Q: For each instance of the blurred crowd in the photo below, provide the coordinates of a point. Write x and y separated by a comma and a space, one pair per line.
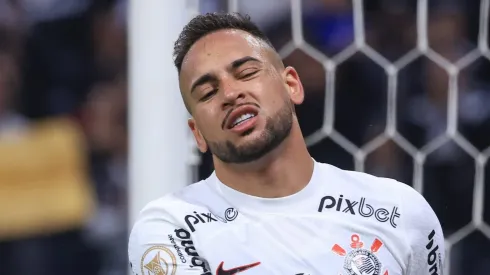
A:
63, 119
63, 138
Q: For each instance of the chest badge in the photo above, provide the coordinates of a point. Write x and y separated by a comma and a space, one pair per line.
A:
359, 260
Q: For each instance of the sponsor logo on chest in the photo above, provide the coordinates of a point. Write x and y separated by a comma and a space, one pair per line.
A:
191, 220
360, 207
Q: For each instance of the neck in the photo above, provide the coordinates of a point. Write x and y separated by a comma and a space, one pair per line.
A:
283, 172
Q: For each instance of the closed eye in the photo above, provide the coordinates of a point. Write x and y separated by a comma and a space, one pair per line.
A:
248, 73
208, 95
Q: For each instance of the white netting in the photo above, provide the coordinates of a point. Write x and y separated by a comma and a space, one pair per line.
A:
392, 70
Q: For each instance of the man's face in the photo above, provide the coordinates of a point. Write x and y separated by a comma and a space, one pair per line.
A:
241, 98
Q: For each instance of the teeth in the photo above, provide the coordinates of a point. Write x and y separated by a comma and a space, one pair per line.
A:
242, 118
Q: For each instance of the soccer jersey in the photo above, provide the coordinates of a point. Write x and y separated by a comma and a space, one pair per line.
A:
342, 222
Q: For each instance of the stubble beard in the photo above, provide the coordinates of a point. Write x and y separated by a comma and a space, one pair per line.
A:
277, 129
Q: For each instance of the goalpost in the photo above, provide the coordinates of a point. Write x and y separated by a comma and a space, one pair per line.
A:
158, 154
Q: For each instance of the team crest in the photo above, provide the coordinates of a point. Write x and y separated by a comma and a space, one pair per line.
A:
361, 261
158, 260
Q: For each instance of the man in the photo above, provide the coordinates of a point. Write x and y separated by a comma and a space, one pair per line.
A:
269, 208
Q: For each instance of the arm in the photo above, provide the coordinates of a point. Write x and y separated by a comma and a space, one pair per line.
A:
425, 237
159, 246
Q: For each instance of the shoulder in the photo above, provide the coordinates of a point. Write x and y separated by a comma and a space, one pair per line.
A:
380, 189
369, 184
167, 213
170, 207
160, 235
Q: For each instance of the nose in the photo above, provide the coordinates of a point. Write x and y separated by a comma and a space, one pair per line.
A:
232, 94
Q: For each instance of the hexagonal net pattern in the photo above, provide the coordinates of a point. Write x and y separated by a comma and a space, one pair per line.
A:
392, 69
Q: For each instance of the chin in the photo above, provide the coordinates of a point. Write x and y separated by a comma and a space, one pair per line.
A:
250, 136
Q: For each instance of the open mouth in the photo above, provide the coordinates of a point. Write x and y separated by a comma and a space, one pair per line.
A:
242, 119
240, 115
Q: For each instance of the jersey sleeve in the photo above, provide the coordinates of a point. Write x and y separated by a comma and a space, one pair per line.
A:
424, 235
157, 245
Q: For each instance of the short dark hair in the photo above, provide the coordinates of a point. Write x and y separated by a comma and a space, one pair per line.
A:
203, 25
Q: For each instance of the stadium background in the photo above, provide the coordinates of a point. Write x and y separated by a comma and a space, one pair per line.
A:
397, 88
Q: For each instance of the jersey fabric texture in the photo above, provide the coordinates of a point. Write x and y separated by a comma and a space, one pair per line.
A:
342, 222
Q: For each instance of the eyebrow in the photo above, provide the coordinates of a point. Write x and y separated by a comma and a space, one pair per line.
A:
239, 62
202, 80
205, 78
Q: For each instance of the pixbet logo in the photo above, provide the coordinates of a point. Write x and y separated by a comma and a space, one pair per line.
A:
230, 214
192, 220
433, 258
359, 208
190, 250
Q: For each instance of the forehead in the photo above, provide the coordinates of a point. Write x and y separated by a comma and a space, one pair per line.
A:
217, 50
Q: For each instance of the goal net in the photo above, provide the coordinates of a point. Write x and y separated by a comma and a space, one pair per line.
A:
397, 89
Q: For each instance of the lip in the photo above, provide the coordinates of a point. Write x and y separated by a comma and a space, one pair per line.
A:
245, 126
237, 112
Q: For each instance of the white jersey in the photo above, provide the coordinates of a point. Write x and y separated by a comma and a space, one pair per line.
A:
342, 222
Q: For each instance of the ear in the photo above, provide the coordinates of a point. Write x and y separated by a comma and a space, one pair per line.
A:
200, 141
296, 91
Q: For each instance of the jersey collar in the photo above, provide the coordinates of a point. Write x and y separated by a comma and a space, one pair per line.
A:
243, 201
